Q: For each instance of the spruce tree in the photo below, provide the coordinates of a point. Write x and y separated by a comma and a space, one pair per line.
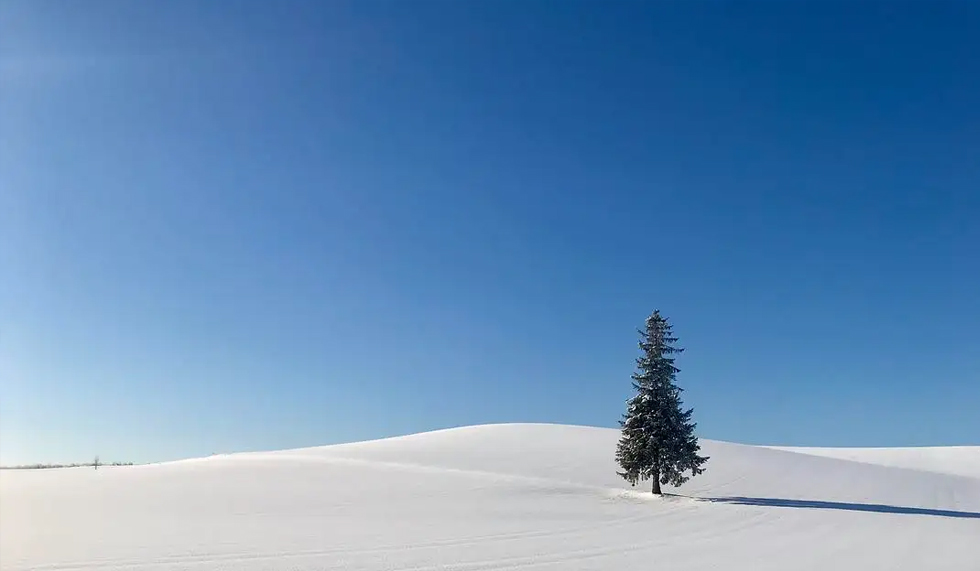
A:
658, 440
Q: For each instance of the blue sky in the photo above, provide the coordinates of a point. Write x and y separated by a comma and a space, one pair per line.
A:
297, 223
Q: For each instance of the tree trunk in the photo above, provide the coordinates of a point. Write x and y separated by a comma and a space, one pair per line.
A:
656, 484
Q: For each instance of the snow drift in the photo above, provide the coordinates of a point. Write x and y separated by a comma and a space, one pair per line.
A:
499, 497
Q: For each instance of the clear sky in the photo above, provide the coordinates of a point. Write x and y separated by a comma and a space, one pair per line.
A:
258, 225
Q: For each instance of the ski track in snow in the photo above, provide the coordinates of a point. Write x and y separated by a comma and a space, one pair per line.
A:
499, 497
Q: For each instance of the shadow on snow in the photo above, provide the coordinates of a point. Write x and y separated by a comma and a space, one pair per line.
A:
823, 505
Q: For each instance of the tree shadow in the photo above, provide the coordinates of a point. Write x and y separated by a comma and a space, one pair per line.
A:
824, 505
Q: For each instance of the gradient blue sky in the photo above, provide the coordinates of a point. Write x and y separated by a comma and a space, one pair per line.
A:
256, 225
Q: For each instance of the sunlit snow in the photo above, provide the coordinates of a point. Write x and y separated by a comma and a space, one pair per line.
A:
521, 496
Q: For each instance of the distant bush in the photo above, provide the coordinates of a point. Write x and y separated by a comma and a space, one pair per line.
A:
51, 466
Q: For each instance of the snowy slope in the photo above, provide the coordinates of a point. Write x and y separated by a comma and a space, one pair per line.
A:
956, 460
543, 497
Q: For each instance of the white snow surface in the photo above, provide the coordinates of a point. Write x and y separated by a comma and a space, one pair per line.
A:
956, 460
514, 496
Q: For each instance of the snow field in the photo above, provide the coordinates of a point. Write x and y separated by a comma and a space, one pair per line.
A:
521, 496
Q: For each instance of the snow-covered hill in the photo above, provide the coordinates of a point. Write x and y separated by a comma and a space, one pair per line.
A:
520, 496
956, 460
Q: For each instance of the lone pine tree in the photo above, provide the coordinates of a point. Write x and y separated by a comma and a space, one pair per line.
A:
658, 440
